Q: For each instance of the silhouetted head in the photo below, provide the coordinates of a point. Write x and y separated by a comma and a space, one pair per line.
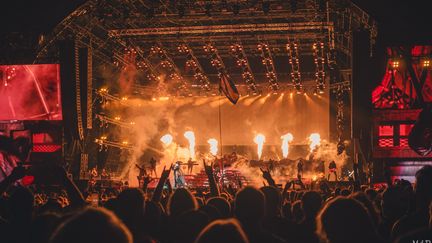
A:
249, 205
297, 211
211, 211
188, 225
228, 230
345, 192
311, 204
371, 194
222, 205
370, 207
92, 225
345, 220
286, 211
130, 202
394, 203
43, 227
423, 185
181, 201
273, 201
21, 205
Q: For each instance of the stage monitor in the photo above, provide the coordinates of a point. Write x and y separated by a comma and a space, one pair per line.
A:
30, 92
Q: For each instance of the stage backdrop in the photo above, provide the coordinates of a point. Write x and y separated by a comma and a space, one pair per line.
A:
273, 116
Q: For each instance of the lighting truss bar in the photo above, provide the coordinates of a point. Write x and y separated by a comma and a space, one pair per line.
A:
212, 29
169, 64
295, 65
216, 60
105, 144
193, 64
107, 120
237, 51
267, 61
319, 60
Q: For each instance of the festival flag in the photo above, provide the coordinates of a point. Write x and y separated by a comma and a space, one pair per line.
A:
228, 88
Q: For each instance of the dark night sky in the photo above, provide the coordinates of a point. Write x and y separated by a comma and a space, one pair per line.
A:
399, 20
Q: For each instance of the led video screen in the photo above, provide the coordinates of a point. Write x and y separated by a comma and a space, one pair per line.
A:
30, 92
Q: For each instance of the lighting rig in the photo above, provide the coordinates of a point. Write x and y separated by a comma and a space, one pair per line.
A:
167, 63
319, 59
293, 58
267, 61
216, 60
105, 120
193, 64
238, 53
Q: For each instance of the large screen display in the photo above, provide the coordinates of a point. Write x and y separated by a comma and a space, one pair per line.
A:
30, 92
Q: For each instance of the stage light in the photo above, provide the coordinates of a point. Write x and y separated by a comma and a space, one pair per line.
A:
153, 99
315, 92
395, 64
132, 123
164, 98
124, 98
103, 90
125, 142
103, 137
117, 118
426, 63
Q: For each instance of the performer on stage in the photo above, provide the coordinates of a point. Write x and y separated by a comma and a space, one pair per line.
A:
179, 180
300, 169
153, 166
104, 174
190, 165
332, 170
141, 175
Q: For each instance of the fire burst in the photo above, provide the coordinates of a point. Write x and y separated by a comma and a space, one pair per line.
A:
190, 136
213, 146
259, 140
166, 139
315, 140
286, 139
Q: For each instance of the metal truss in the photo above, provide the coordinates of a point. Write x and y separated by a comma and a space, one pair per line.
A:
294, 61
267, 61
319, 59
242, 62
193, 65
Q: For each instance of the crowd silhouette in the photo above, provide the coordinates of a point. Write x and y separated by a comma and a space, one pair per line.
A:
394, 213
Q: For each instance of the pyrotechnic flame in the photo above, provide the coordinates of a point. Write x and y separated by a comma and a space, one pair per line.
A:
190, 136
166, 139
314, 177
315, 140
259, 140
213, 146
286, 139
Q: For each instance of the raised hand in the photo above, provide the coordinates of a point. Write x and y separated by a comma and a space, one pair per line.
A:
266, 175
207, 168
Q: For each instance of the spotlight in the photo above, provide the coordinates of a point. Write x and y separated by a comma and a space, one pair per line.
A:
395, 64
426, 63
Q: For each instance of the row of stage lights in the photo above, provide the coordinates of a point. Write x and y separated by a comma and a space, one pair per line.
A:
238, 53
167, 140
396, 63
105, 94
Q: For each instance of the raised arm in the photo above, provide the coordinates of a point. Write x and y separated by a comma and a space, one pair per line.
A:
159, 188
214, 190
